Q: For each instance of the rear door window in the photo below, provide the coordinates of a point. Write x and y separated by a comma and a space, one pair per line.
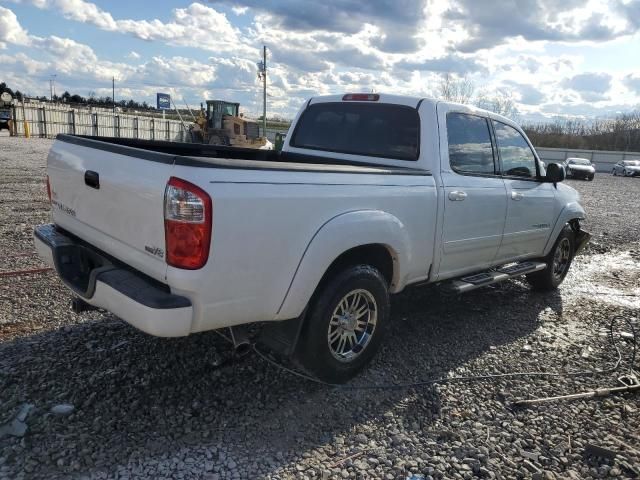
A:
470, 149
375, 130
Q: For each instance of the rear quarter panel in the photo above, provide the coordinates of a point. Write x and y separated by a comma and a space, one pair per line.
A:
264, 222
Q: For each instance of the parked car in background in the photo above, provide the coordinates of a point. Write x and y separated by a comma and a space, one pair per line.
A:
580, 168
627, 168
5, 117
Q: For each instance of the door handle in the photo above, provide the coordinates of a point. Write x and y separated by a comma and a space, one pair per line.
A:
92, 179
457, 196
517, 196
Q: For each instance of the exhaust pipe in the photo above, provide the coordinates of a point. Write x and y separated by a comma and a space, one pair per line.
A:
240, 339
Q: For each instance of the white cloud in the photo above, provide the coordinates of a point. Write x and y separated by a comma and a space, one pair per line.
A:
80, 70
197, 25
174, 71
81, 11
10, 29
239, 10
71, 58
397, 50
632, 82
592, 86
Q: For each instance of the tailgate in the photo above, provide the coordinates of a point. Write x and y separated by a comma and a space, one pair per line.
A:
113, 199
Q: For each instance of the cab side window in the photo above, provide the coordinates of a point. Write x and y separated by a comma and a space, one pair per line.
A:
517, 157
470, 149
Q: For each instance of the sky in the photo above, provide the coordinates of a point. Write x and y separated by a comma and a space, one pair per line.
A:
553, 58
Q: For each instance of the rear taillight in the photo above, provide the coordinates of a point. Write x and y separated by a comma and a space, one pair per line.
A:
361, 97
48, 189
187, 224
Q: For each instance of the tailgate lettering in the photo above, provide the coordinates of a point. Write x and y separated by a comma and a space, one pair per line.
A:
63, 208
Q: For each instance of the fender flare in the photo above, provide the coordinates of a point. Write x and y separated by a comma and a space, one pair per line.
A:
571, 211
336, 236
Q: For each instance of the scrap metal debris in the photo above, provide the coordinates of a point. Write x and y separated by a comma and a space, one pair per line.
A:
601, 392
591, 450
17, 427
63, 409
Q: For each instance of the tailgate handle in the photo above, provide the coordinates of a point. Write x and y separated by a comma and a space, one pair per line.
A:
92, 179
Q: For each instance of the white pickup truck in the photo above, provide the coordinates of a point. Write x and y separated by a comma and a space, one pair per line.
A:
371, 193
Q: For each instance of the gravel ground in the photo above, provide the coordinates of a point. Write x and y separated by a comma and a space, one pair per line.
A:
111, 402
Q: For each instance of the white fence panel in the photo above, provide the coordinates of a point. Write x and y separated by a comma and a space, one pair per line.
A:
49, 120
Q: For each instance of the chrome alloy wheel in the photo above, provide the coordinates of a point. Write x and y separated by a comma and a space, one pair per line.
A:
561, 258
352, 325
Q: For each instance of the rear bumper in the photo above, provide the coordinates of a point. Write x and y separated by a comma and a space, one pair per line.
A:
103, 282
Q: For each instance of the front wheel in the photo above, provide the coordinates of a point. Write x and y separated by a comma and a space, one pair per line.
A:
614, 172
624, 173
345, 324
558, 262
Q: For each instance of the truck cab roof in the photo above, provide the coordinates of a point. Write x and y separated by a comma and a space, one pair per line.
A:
409, 101
376, 128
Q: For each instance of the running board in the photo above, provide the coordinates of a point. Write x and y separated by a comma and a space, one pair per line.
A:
483, 279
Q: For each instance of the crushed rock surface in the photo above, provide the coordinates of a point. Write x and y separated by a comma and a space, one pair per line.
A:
133, 406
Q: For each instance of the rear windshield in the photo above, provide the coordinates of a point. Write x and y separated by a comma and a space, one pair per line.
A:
376, 130
632, 163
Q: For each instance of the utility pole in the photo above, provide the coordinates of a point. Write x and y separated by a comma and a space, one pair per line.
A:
52, 87
113, 91
264, 90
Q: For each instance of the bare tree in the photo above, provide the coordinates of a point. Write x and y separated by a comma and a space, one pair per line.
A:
458, 90
462, 90
621, 133
500, 102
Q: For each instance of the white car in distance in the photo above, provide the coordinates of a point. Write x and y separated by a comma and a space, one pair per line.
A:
626, 168
580, 168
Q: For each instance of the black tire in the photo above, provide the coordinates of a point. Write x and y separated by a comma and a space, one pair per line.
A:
551, 277
591, 178
614, 172
314, 352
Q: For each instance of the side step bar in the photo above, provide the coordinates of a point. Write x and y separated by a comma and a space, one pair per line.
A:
478, 280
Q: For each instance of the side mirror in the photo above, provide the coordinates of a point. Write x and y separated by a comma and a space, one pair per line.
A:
555, 173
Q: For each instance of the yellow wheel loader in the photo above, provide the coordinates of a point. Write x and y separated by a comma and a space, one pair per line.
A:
223, 124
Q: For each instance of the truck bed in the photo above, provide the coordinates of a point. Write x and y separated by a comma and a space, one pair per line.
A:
218, 156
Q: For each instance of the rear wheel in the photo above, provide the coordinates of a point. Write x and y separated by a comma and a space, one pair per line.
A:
558, 262
345, 324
